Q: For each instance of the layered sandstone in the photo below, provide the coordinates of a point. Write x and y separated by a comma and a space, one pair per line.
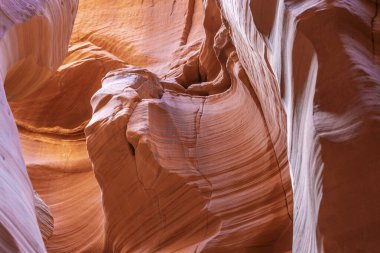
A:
324, 56
166, 126
193, 131
33, 43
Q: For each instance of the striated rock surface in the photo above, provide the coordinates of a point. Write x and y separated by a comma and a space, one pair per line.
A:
55, 150
190, 161
33, 41
324, 56
44, 217
167, 126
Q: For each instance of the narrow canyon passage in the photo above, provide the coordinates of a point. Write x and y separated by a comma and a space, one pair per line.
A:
189, 126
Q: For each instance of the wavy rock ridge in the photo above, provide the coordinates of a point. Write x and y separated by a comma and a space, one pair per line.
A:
196, 108
33, 40
166, 143
329, 79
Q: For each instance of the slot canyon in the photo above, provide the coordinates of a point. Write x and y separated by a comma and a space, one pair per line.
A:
205, 126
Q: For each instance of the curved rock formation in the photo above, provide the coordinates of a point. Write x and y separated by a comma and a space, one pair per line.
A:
55, 150
157, 142
33, 41
324, 56
166, 126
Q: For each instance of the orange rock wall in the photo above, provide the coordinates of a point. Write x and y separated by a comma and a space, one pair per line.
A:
158, 140
324, 56
167, 126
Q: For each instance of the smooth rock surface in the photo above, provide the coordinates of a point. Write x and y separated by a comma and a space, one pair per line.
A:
188, 126
198, 133
33, 41
324, 56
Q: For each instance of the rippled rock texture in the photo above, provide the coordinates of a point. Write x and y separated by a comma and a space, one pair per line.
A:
189, 126
324, 56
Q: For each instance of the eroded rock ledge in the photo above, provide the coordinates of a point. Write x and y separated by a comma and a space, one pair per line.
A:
172, 145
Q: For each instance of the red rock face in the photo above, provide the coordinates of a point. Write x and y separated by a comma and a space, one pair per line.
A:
324, 56
188, 126
200, 166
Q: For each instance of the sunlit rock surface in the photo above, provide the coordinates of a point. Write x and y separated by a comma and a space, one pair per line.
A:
33, 43
188, 126
324, 57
